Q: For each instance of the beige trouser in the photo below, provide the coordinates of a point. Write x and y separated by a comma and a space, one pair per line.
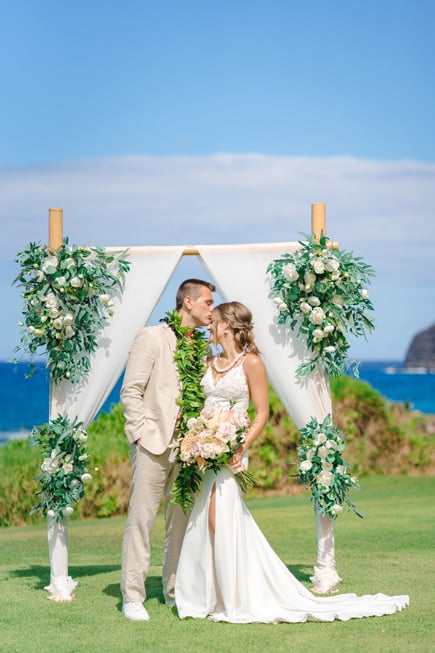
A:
152, 479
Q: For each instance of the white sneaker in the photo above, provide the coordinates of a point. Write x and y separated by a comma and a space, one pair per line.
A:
135, 611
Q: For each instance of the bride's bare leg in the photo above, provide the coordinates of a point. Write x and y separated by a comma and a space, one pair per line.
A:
212, 509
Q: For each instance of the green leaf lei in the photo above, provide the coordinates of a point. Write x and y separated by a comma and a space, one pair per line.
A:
190, 356
323, 293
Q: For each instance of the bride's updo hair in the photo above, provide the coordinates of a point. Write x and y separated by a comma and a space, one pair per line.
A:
239, 318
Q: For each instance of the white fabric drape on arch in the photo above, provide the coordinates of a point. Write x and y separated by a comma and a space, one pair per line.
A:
151, 269
239, 272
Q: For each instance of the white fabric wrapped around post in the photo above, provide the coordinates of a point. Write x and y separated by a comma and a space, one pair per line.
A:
239, 272
151, 269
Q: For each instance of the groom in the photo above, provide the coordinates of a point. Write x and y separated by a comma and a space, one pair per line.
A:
148, 394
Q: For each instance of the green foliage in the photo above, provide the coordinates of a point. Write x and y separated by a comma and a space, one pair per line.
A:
322, 468
68, 298
322, 292
64, 470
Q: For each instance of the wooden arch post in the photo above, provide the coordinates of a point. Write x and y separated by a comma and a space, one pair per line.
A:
318, 221
55, 228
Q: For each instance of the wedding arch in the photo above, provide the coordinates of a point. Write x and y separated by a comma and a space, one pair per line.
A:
239, 272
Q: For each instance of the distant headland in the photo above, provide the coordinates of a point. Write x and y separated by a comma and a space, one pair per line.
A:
421, 352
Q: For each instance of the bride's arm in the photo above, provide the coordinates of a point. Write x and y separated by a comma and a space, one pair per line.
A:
256, 376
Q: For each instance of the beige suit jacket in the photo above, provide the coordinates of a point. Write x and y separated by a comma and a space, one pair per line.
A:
150, 389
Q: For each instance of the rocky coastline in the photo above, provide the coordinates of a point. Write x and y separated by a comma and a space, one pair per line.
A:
421, 351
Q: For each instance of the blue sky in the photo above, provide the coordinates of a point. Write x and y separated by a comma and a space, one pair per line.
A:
182, 122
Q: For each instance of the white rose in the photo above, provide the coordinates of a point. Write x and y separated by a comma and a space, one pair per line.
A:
282, 307
39, 275
317, 315
67, 468
290, 273
329, 328
314, 301
341, 469
82, 436
320, 439
326, 467
51, 300
50, 262
332, 264
53, 313
68, 319
335, 275
76, 282
74, 483
57, 323
50, 513
69, 510
329, 349
323, 452
61, 281
318, 333
305, 466
86, 478
104, 299
325, 478
336, 509
318, 265
338, 300
364, 293
277, 300
46, 465
310, 280
69, 332
70, 262
305, 308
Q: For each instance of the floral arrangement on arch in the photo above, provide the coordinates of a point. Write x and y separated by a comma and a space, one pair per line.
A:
209, 443
323, 293
64, 469
68, 299
322, 468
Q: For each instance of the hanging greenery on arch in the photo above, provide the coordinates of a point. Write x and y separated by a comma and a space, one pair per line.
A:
68, 296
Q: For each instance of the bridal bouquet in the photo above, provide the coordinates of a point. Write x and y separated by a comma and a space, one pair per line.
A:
322, 468
210, 441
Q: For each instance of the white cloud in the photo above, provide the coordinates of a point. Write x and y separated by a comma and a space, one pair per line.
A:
382, 210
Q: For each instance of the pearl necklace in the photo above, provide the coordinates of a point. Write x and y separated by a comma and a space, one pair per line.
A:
221, 370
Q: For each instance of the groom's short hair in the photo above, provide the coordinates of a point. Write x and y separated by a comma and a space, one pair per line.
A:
190, 287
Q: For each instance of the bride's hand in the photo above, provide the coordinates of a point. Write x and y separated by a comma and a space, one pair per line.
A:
235, 462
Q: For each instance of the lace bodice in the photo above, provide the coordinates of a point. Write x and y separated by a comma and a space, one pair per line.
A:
230, 387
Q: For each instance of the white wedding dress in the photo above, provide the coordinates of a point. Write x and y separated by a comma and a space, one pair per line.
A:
234, 575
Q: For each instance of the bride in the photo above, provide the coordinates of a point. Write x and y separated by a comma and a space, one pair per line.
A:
227, 570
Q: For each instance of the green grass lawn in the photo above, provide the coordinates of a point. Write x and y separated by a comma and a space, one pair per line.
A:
391, 551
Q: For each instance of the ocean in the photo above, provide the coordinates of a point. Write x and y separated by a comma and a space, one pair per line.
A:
24, 401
